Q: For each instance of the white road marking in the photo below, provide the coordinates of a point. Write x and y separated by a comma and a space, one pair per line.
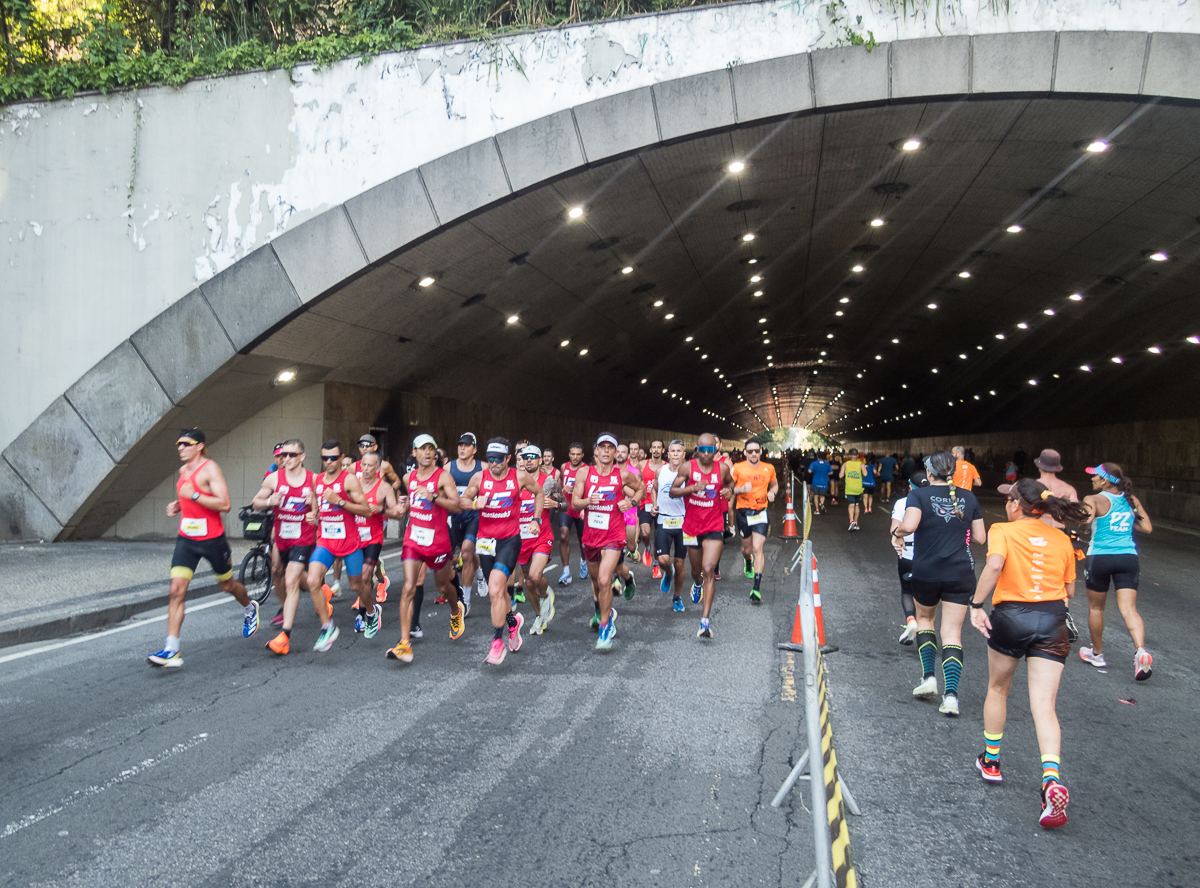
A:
136, 624
89, 791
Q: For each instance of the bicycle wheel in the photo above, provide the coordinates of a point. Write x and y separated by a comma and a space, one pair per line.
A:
256, 574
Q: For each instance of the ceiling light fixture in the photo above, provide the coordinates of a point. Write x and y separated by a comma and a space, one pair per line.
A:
878, 223
911, 144
1118, 360
1022, 326
689, 339
582, 352
512, 319
1076, 297
931, 305
669, 315
1098, 146
858, 269
756, 278
1194, 340
736, 167
964, 274
895, 342
285, 376
564, 343
839, 313
643, 382
628, 269
658, 303
766, 342
758, 292
1048, 311
747, 237
999, 335
1014, 229
1154, 350
426, 281
575, 212
1159, 256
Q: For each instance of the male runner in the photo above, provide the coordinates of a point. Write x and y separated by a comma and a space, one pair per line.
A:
726, 498
669, 513
599, 492
368, 444
820, 469
201, 497
570, 517
756, 487
495, 494
381, 500
852, 471
650, 469
464, 526
289, 491
701, 483
432, 494
339, 497
536, 548
966, 475
630, 517
887, 470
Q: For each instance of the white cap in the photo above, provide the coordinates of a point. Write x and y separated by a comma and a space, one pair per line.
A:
422, 440
495, 448
531, 450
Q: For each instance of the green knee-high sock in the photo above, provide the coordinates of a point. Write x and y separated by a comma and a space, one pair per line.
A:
927, 648
952, 666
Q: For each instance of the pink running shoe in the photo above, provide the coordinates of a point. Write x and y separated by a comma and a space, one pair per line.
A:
1054, 806
1142, 662
514, 634
497, 652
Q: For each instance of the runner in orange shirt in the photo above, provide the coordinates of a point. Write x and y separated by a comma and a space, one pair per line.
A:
965, 475
1031, 567
755, 484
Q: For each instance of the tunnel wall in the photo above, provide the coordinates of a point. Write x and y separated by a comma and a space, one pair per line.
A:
1161, 456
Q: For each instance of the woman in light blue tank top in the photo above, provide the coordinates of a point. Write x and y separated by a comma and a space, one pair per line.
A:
1113, 562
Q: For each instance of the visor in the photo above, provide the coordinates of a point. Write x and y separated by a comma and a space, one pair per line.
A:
606, 439
468, 438
497, 449
1099, 470
422, 440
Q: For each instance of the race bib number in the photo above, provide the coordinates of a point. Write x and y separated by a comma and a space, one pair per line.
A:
422, 536
759, 517
526, 535
289, 530
364, 533
689, 540
598, 520
193, 527
673, 523
486, 546
333, 530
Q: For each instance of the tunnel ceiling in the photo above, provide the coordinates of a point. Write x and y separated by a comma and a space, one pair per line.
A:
852, 353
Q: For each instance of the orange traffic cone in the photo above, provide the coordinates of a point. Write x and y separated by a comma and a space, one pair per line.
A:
790, 531
797, 634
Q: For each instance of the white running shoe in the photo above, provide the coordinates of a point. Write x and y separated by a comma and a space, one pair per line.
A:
564, 578
927, 688
538, 626
1141, 665
548, 607
481, 588
909, 633
1090, 656
949, 705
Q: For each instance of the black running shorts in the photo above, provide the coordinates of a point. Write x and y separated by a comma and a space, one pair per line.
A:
1031, 629
463, 526
188, 553
745, 528
504, 558
1122, 571
929, 593
565, 520
371, 552
664, 539
296, 554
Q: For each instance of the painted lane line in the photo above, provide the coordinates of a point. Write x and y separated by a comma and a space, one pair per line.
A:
90, 791
137, 624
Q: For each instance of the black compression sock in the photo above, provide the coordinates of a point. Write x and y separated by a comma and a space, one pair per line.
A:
287, 632
757, 580
511, 620
499, 633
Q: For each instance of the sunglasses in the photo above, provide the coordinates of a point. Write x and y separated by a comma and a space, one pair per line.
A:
186, 443
497, 459
706, 449
287, 454
754, 451
325, 458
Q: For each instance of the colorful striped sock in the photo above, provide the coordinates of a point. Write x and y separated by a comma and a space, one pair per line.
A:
927, 648
1049, 769
991, 746
952, 666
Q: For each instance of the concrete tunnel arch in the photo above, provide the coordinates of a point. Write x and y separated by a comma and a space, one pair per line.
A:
106, 440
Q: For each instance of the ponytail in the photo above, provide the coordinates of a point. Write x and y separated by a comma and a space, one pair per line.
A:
1124, 486
1036, 500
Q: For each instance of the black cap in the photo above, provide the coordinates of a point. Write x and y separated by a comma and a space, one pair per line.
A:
468, 438
192, 435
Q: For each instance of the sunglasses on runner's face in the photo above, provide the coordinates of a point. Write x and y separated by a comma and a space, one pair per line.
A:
706, 449
287, 454
496, 459
325, 458
753, 451
186, 443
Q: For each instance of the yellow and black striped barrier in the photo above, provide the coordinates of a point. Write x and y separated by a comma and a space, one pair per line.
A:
835, 806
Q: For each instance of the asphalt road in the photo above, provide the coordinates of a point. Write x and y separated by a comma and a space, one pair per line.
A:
652, 765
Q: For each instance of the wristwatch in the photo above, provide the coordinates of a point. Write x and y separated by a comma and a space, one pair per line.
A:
977, 606
196, 496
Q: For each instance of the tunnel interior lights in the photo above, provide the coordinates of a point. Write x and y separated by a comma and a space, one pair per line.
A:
1096, 146
845, 300
1048, 311
878, 223
575, 213
582, 352
1015, 229
911, 144
668, 316
1085, 368
512, 319
748, 236
736, 166
1159, 256
564, 343
858, 269
689, 339
1154, 350
426, 281
758, 292
838, 314
1022, 326
658, 303
932, 305
1118, 360
756, 278
284, 377
964, 274
643, 382
628, 269
1076, 297
1194, 340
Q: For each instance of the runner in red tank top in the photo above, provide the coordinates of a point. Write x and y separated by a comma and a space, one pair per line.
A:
570, 517
495, 494
649, 473
368, 444
290, 492
381, 500
536, 548
600, 491
339, 498
201, 497
432, 497
726, 499
702, 482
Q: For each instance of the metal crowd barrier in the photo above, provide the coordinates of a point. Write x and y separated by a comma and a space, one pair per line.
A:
830, 795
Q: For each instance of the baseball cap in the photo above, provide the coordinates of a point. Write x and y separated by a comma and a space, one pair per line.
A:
531, 450
495, 448
194, 435
1007, 490
422, 440
367, 439
1049, 461
606, 439
468, 438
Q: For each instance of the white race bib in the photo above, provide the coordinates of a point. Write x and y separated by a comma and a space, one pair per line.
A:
333, 530
289, 530
422, 536
364, 533
673, 523
193, 527
759, 517
526, 535
598, 520
689, 540
486, 546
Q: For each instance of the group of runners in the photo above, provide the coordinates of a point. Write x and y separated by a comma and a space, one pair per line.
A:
1030, 573
484, 528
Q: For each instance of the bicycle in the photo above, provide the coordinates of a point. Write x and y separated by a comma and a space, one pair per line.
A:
256, 573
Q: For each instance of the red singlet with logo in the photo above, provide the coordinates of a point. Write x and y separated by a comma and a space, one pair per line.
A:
702, 514
428, 531
195, 521
370, 527
291, 528
499, 518
717, 462
603, 525
568, 485
334, 532
648, 476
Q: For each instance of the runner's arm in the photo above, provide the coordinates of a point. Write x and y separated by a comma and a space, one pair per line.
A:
352, 499
266, 493
983, 588
578, 503
447, 496
389, 475
466, 501
677, 489
978, 532
773, 488
217, 498
1143, 517
636, 485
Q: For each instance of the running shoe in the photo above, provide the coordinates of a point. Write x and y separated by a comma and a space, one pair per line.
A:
705, 630
583, 574
416, 632
677, 604
854, 526
381, 590
850, 529
949, 705
631, 589
908, 633
250, 623
634, 555
927, 688
697, 593
466, 602
657, 572
402, 652
717, 574
357, 604
608, 631
1054, 805
564, 578
328, 592
594, 624
277, 620
617, 586
360, 623
748, 568
1141, 665
497, 652
538, 626
336, 589
481, 588
755, 596
441, 599
514, 634
667, 577
548, 607
165, 658
1090, 656
280, 644
374, 621
326, 639
989, 770
457, 627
